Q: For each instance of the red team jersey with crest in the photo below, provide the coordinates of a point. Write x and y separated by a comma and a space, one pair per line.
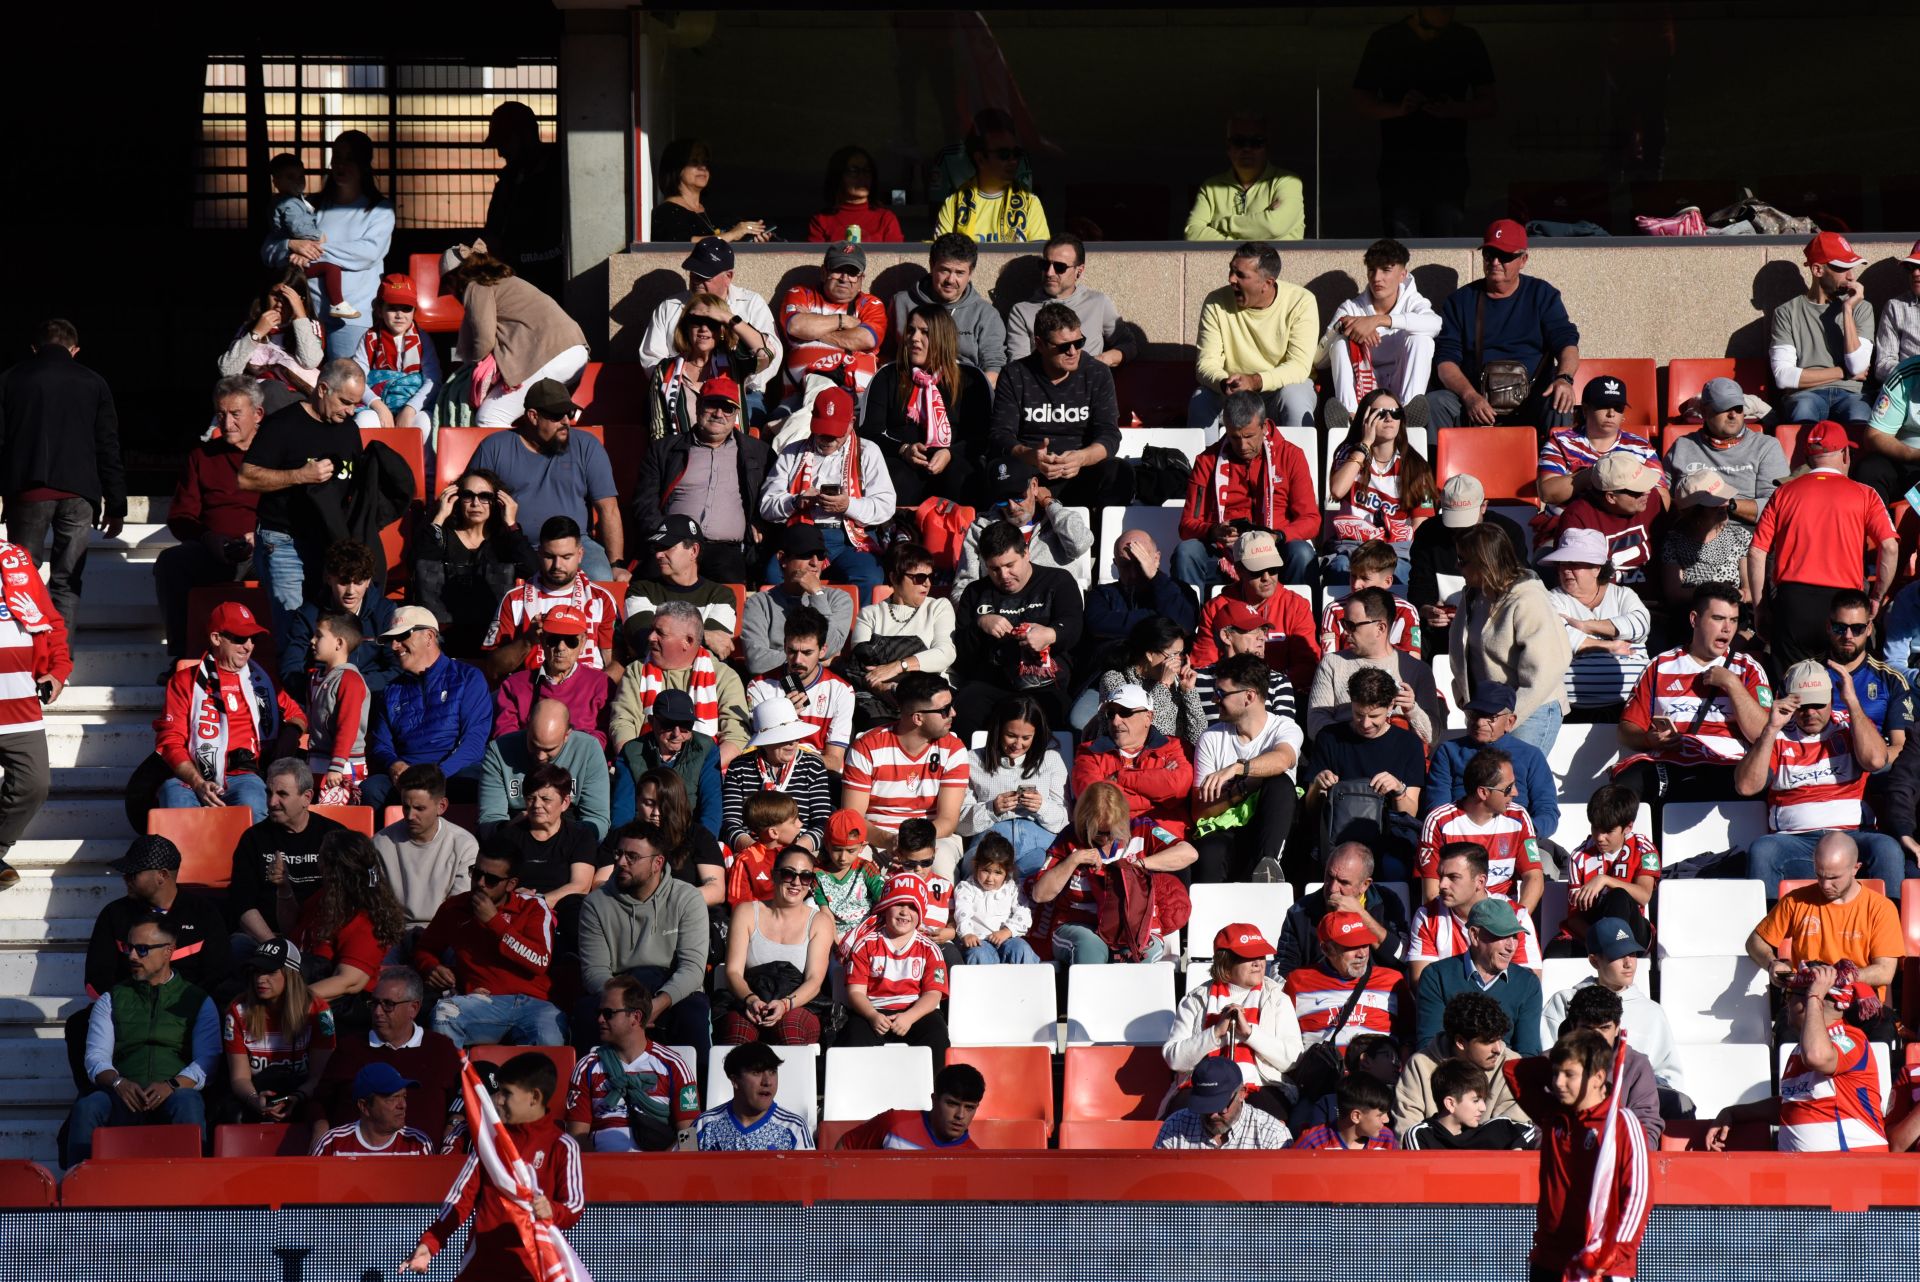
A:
1637, 857
1507, 838
896, 973
1674, 686
900, 1129
33, 640
1833, 1112
1318, 997
804, 358
347, 1141
1404, 634
1438, 933
673, 1094
1813, 782
829, 706
516, 618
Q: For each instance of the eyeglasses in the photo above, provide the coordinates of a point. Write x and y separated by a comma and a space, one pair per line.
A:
1498, 255
549, 638
1246, 140
487, 878
1354, 625
611, 1013
1058, 268
634, 856
913, 863
1007, 153
141, 950
1071, 344
921, 577
386, 1005
1221, 695
476, 496
800, 875
1849, 629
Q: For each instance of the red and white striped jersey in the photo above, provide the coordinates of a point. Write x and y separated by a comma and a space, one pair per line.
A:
829, 706
896, 972
1318, 997
1674, 686
1813, 781
1438, 933
804, 358
898, 786
348, 1141
274, 1048
1637, 857
592, 600
1404, 634
1507, 838
33, 641
1833, 1112
672, 1090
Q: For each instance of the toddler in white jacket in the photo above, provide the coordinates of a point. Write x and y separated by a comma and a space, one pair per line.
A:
991, 915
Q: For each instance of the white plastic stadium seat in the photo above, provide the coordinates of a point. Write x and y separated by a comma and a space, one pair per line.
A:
1004, 1005
863, 1081
1264, 904
1443, 682
1579, 757
1199, 975
1557, 974
1308, 439
1690, 828
799, 1090
1718, 1076
1880, 1069
1162, 522
1190, 441
1707, 917
1715, 999
1123, 1004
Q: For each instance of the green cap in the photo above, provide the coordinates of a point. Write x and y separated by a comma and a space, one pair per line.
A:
1496, 917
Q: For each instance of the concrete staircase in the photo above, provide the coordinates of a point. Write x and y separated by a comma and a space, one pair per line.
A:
96, 734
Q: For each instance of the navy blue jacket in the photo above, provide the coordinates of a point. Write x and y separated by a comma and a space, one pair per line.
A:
373, 657
444, 715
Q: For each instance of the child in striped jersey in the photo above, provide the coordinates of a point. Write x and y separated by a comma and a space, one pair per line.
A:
1612, 873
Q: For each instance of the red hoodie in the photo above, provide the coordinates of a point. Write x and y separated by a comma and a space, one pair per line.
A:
508, 955
495, 1252
1158, 780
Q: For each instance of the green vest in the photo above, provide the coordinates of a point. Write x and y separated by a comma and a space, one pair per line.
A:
643, 755
153, 1028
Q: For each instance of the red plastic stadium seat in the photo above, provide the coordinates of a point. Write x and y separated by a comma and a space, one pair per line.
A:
1113, 1083
171, 1141
434, 312
1690, 1136
206, 837
1137, 1135
1009, 1132
562, 1057
1642, 377
200, 603
1020, 1083
1687, 375
1504, 459
612, 392
1673, 432
355, 818
830, 1133
456, 447
262, 1139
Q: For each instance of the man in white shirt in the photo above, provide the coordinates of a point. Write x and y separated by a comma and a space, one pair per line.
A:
1243, 769
1382, 336
1897, 338
1616, 955
709, 270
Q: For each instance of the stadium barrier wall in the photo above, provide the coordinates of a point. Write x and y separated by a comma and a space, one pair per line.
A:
1655, 297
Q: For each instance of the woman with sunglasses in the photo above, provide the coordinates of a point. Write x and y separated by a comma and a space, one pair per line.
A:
1154, 658
706, 344
777, 953
1507, 631
1382, 484
993, 206
277, 1037
928, 411
467, 554
348, 925
911, 631
847, 211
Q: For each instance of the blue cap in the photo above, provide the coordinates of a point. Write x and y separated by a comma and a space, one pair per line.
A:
379, 1078
1491, 698
1216, 1080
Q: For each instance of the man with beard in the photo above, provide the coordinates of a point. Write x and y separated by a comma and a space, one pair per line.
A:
552, 472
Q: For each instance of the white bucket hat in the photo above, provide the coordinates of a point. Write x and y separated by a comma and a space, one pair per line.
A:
775, 722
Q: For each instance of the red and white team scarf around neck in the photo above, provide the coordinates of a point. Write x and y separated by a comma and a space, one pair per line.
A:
803, 481
704, 687
1219, 998
1260, 506
383, 351
929, 409
547, 1247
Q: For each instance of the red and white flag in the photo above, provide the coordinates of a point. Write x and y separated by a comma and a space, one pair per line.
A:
1618, 1201
547, 1247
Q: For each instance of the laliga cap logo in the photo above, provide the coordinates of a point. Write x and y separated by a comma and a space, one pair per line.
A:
1348, 927
1243, 939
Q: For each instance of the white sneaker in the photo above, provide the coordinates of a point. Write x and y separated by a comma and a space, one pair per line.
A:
344, 311
1267, 870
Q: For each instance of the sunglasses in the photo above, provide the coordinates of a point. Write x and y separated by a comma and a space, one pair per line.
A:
922, 577
1397, 415
1498, 255
401, 638
913, 863
570, 642
944, 710
611, 1013
1071, 344
476, 496
487, 878
1246, 140
1849, 629
705, 322
1058, 268
1007, 153
800, 875
141, 950
716, 405
1271, 572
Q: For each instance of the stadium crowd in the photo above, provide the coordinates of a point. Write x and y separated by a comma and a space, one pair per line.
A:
760, 751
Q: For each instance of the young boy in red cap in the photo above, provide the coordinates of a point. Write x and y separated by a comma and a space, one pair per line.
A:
896, 976
848, 884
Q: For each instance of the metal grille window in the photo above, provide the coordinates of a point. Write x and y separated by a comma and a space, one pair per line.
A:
427, 120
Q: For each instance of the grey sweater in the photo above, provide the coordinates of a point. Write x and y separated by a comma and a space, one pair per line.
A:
1327, 701
621, 933
983, 336
426, 875
504, 770
1754, 465
763, 624
1099, 321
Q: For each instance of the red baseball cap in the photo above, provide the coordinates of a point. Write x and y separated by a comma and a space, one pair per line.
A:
847, 828
1912, 258
832, 413
1235, 613
1345, 930
398, 289
564, 621
1505, 234
1830, 249
232, 619
722, 386
1825, 437
1242, 939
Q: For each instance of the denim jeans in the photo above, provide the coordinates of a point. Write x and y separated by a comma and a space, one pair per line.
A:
1810, 405
1195, 563
241, 790
1030, 845
1540, 727
70, 520
488, 1018
1078, 945
594, 562
282, 563
103, 1108
1014, 951
845, 563
1783, 856
1289, 406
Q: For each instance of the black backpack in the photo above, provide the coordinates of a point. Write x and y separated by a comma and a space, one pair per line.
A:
1353, 811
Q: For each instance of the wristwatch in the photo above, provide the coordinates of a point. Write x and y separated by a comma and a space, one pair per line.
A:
1564, 378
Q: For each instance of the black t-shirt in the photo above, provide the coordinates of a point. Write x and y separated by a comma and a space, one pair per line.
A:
1051, 597
1340, 749
698, 847
1446, 68
253, 857
287, 440
677, 223
548, 865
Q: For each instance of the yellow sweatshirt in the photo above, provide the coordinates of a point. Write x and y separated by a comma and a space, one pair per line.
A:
1276, 342
1274, 207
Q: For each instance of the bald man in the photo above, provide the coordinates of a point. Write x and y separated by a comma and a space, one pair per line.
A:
547, 737
1145, 589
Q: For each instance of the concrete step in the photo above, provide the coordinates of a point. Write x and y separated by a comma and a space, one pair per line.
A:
80, 853
89, 781
122, 612
116, 658
143, 697
34, 1070
43, 972
46, 892
30, 1136
40, 930
119, 745
39, 1011
149, 508
152, 535
104, 817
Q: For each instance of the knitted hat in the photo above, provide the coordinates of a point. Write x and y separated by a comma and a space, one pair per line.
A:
904, 888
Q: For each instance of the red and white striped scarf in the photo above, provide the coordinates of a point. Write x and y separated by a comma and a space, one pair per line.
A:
704, 688
928, 408
1362, 360
1219, 998
803, 481
1261, 500
1603, 1218
383, 351
547, 1247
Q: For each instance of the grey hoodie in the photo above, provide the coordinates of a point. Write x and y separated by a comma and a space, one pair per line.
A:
620, 933
1099, 321
983, 337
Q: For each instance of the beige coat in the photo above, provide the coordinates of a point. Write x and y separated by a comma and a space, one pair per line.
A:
1413, 1100
1519, 640
518, 325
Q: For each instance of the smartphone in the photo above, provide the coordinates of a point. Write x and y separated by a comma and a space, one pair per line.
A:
831, 491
